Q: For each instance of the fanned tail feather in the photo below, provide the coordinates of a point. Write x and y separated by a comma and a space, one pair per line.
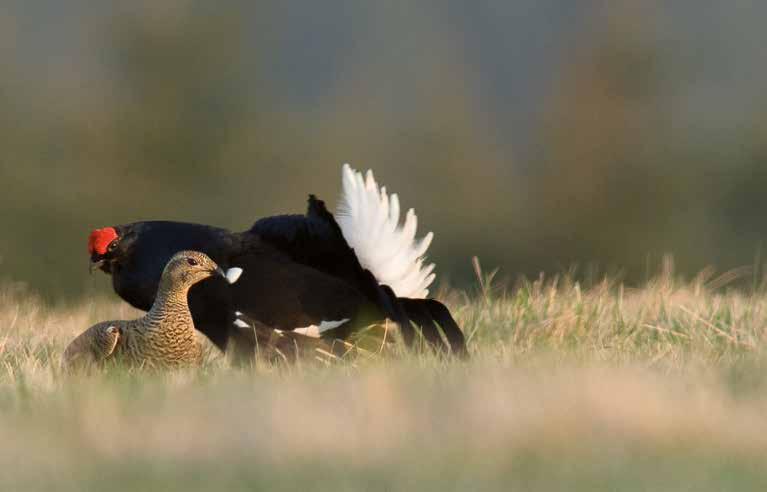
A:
370, 221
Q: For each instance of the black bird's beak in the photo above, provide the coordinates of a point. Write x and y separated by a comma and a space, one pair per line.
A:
219, 271
95, 265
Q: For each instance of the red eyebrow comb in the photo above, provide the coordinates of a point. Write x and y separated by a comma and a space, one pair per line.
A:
100, 239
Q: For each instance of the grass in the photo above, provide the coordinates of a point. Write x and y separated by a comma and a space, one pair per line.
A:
662, 387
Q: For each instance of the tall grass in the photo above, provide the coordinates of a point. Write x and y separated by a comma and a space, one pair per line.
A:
569, 388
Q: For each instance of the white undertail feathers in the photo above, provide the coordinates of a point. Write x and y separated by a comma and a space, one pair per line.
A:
369, 220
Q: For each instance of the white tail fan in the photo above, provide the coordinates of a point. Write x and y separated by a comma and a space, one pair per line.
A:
369, 220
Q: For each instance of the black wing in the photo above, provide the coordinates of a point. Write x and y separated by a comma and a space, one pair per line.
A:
316, 240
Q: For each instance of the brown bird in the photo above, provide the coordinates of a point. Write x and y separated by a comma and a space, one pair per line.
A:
165, 336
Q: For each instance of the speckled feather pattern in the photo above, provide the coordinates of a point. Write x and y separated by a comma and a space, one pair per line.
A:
164, 337
93, 345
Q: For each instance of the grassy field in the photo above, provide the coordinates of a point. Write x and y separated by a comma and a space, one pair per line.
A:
568, 388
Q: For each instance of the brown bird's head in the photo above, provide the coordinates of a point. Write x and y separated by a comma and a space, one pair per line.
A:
186, 268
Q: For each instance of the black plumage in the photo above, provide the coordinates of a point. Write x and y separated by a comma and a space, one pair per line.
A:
298, 271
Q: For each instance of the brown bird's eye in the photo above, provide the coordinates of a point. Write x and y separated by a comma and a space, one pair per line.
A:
192, 261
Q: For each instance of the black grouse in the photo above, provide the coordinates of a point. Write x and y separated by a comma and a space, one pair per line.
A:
313, 274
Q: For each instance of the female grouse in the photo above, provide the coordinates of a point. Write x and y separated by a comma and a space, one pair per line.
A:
165, 336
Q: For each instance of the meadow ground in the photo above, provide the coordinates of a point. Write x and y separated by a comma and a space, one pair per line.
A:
601, 388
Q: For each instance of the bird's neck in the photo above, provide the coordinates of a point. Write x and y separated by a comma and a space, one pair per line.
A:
171, 302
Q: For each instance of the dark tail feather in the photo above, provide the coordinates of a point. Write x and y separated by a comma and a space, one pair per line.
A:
420, 315
398, 313
441, 314
316, 209
425, 312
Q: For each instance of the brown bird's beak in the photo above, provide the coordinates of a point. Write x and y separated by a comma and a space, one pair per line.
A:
95, 265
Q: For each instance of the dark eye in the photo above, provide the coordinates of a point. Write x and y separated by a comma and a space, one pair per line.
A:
192, 261
112, 246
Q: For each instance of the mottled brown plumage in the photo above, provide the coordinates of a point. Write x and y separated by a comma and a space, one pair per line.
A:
93, 346
165, 336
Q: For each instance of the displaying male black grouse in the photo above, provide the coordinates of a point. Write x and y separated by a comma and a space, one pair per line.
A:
313, 274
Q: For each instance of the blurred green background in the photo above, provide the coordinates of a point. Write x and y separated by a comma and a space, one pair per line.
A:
534, 134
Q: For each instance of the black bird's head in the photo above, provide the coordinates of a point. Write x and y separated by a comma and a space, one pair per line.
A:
136, 254
146, 247
105, 247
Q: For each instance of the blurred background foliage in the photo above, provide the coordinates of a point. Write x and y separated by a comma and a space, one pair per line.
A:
534, 134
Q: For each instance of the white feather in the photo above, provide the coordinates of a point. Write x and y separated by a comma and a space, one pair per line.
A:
315, 331
233, 274
369, 219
